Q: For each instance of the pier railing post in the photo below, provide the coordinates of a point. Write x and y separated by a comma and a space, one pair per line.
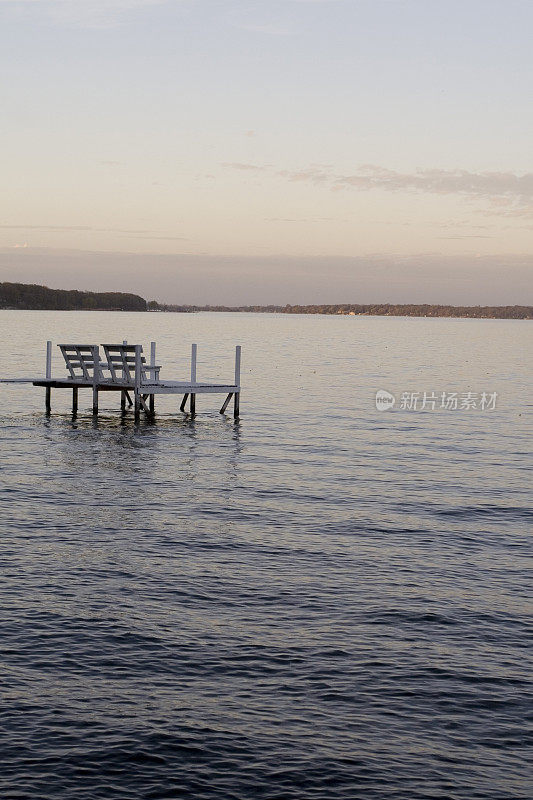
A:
152, 377
237, 395
48, 374
137, 388
48, 359
194, 350
96, 377
123, 393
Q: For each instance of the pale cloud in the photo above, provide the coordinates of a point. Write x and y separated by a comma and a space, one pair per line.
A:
244, 167
135, 233
87, 13
508, 193
436, 181
467, 236
269, 30
283, 219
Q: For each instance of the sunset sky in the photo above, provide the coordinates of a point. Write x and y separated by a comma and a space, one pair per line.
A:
276, 151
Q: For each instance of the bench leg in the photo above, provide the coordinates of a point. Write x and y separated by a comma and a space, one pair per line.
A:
152, 404
123, 401
47, 400
185, 398
95, 401
193, 404
75, 400
137, 407
236, 398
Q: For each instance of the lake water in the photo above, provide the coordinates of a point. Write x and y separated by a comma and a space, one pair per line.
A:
318, 601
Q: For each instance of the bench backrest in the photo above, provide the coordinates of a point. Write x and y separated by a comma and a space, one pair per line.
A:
79, 360
121, 362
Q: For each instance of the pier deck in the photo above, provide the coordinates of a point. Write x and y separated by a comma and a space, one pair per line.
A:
125, 370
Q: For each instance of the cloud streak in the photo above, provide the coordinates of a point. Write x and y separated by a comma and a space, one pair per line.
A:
505, 188
268, 30
140, 233
86, 13
236, 280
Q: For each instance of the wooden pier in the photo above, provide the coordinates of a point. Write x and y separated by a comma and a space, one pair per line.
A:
123, 368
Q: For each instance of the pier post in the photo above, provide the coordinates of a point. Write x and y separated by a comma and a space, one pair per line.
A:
123, 394
75, 400
237, 395
96, 377
194, 350
48, 374
152, 377
137, 397
226, 403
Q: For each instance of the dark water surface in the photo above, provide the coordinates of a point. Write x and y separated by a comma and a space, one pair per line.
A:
317, 601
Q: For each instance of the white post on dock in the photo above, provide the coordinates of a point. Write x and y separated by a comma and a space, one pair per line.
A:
194, 350
48, 374
48, 360
152, 376
123, 393
137, 402
96, 377
237, 381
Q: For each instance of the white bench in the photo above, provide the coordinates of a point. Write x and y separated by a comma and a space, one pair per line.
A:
80, 360
121, 359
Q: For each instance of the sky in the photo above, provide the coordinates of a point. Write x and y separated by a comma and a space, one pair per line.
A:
283, 151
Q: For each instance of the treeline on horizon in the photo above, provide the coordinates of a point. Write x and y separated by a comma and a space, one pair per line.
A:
36, 297
376, 309
41, 298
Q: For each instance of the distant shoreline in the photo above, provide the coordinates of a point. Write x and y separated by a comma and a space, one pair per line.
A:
33, 297
374, 310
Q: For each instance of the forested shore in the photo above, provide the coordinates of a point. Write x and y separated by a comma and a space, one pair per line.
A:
379, 309
41, 298
36, 297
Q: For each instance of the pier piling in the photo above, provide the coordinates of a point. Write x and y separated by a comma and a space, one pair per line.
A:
48, 373
137, 397
237, 395
96, 376
226, 403
194, 351
152, 364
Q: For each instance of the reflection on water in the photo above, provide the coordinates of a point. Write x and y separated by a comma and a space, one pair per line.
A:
317, 601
